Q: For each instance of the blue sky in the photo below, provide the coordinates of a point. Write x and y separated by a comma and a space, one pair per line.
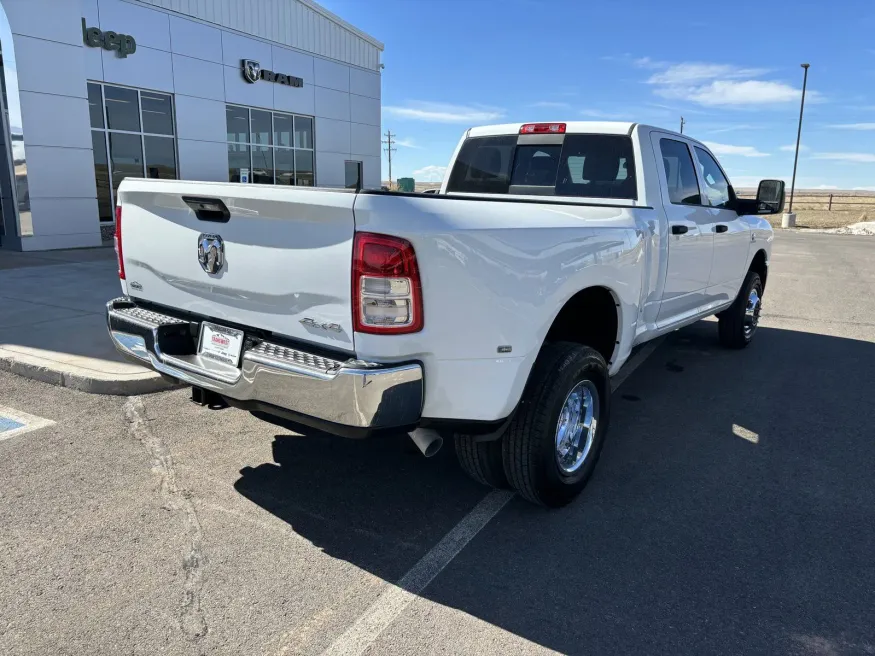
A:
730, 68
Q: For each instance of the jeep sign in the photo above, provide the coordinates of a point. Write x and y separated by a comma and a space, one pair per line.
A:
109, 40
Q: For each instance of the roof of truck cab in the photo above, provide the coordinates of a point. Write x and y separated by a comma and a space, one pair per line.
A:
571, 127
574, 127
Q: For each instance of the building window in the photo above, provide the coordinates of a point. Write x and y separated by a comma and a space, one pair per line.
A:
353, 174
133, 134
268, 147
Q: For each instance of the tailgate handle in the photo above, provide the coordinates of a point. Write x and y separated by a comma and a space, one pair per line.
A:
208, 209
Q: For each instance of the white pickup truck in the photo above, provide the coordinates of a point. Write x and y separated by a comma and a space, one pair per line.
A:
494, 311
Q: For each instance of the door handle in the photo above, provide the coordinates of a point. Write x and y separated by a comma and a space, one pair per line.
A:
679, 229
721, 228
208, 209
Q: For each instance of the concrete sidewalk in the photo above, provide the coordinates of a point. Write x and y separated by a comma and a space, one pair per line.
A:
53, 326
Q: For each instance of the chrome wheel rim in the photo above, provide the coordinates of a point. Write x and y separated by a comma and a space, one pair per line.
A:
576, 428
752, 313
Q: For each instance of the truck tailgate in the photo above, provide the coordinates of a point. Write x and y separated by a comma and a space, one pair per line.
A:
287, 255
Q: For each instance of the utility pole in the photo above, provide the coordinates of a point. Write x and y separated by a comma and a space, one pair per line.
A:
798, 137
682, 124
389, 149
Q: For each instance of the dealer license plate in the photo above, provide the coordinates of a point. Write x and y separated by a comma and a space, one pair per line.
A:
220, 343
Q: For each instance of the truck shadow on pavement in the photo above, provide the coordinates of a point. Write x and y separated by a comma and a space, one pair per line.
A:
733, 510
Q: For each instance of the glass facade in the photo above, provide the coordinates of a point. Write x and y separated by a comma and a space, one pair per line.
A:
133, 134
267, 147
15, 213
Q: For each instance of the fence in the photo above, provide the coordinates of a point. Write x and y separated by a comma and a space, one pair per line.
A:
823, 202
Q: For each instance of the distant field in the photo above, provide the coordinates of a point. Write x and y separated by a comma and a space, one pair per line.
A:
814, 210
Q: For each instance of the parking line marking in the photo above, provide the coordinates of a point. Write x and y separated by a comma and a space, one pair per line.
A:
14, 423
392, 601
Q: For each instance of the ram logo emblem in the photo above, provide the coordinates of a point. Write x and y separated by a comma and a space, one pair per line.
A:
211, 253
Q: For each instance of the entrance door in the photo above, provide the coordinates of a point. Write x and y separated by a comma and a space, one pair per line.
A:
690, 239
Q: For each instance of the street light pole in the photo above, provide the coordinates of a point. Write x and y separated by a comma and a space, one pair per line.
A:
798, 137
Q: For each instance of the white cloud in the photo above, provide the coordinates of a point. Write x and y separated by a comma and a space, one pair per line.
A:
406, 143
431, 173
721, 150
825, 186
676, 110
853, 126
735, 93
864, 188
692, 73
791, 148
865, 158
647, 62
607, 116
445, 113
625, 57
714, 85
732, 128
551, 104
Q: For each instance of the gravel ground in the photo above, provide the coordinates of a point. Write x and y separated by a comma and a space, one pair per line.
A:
732, 512
820, 220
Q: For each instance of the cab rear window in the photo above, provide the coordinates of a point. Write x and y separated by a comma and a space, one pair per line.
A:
585, 165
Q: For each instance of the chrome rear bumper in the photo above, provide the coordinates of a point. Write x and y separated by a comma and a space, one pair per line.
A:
274, 378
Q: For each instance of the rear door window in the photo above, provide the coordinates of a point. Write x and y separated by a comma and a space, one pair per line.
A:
584, 165
483, 165
597, 166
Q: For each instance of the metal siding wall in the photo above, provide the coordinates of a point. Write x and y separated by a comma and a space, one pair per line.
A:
282, 21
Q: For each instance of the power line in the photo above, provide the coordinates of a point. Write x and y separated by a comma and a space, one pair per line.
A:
389, 141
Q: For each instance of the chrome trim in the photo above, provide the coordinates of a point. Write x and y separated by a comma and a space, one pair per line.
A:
576, 426
211, 252
148, 317
752, 313
351, 393
291, 359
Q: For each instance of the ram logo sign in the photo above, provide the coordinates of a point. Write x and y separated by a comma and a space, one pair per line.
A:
252, 72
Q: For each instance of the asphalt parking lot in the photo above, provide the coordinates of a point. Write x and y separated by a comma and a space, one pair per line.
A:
733, 511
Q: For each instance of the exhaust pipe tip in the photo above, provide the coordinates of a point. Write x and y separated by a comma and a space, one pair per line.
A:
428, 441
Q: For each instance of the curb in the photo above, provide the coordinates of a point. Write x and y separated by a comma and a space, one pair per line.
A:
82, 379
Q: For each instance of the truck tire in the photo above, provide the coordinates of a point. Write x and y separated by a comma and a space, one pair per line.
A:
738, 323
554, 440
481, 460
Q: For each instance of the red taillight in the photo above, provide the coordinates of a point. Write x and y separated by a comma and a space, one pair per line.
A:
118, 242
543, 128
386, 289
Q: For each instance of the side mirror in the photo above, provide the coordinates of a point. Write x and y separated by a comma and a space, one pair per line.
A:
770, 197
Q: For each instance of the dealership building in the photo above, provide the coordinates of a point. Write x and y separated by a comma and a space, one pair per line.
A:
255, 91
